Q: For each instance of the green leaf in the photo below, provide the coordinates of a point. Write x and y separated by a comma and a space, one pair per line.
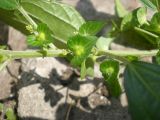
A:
14, 19
104, 43
81, 47
43, 37
129, 21
156, 3
141, 15
155, 23
120, 10
134, 18
90, 67
63, 20
87, 68
149, 4
109, 70
91, 27
10, 114
155, 19
9, 4
142, 81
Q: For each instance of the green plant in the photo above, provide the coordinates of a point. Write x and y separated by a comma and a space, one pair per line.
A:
8, 112
58, 30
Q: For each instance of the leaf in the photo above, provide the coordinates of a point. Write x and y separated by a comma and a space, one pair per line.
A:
155, 23
81, 47
120, 10
104, 43
9, 4
62, 19
15, 20
156, 3
91, 27
155, 19
142, 81
90, 67
109, 70
10, 114
129, 21
87, 68
43, 37
149, 4
134, 18
141, 15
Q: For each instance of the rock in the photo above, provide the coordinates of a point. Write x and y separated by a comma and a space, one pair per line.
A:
16, 40
8, 78
96, 100
41, 94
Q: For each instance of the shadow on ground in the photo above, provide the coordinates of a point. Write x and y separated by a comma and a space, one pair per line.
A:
80, 109
89, 12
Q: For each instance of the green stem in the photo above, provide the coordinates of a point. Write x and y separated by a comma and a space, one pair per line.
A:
110, 54
28, 18
146, 32
142, 53
32, 54
119, 55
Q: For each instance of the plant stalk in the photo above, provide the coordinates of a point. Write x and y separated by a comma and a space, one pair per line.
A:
28, 18
62, 53
146, 32
33, 53
142, 53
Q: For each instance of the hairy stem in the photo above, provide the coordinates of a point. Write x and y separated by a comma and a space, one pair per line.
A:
28, 18
142, 53
116, 54
120, 55
32, 53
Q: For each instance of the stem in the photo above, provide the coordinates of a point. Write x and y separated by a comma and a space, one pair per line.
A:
33, 53
142, 53
146, 32
28, 18
120, 58
119, 55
